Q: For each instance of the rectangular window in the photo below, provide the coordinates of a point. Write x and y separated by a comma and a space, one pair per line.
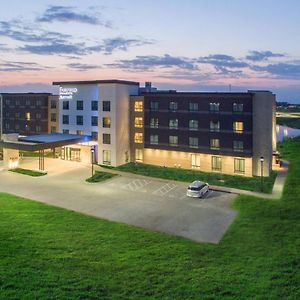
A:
139, 155
79, 132
237, 107
7, 126
65, 105
106, 138
239, 165
38, 115
238, 127
17, 115
173, 106
214, 126
173, 124
66, 131
53, 129
106, 105
214, 107
193, 142
193, 106
94, 135
153, 105
94, 105
94, 121
79, 120
27, 102
138, 106
107, 157
53, 104
154, 123
38, 103
138, 138
154, 139
138, 122
195, 158
27, 116
38, 128
17, 126
7, 114
106, 122
173, 140
18, 102
79, 105
193, 124
7, 101
238, 146
215, 144
216, 163
53, 117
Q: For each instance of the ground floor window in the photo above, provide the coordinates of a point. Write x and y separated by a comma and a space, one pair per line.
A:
239, 165
53, 129
107, 157
195, 161
139, 155
216, 163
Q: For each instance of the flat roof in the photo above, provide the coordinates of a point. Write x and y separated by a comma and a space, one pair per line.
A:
109, 81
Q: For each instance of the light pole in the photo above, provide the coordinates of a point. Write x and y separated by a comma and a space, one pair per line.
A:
92, 156
261, 172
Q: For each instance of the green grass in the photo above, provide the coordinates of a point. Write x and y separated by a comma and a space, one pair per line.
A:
100, 176
28, 172
240, 182
51, 253
290, 122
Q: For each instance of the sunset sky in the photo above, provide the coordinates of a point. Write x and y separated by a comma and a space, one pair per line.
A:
198, 45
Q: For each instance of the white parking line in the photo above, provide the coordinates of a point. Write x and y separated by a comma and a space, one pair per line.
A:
165, 189
136, 184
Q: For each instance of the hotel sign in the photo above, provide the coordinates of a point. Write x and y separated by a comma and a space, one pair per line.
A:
66, 93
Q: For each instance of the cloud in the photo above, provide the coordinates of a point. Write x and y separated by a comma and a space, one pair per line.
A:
17, 66
153, 61
83, 67
262, 55
220, 61
68, 14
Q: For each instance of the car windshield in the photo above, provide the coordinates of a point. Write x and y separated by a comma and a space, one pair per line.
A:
192, 188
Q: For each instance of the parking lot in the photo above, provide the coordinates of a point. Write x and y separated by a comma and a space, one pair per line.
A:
151, 204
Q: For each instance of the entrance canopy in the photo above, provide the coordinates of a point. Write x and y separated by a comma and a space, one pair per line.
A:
45, 141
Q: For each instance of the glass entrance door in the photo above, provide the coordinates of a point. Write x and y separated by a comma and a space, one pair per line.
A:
69, 153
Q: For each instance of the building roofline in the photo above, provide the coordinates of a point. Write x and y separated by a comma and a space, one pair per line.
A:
194, 93
110, 81
29, 93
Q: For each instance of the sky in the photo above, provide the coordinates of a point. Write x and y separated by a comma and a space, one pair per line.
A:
188, 45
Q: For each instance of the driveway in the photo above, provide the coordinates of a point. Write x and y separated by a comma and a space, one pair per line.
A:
152, 204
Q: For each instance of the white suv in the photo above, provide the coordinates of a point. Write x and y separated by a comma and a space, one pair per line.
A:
197, 189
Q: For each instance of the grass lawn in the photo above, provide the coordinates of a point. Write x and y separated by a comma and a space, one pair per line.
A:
51, 253
100, 176
28, 172
240, 182
290, 122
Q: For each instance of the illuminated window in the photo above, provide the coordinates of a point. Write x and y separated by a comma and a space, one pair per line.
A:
215, 144
238, 127
106, 138
193, 142
216, 163
138, 122
173, 106
138, 106
214, 107
193, 106
154, 123
239, 165
153, 105
238, 146
193, 124
195, 161
53, 129
139, 154
106, 122
27, 116
237, 107
173, 124
214, 126
154, 139
173, 140
79, 132
106, 157
138, 138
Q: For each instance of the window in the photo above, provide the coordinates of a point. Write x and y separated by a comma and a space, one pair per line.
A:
173, 124
106, 105
79, 105
238, 146
106, 138
193, 142
173, 140
195, 161
239, 165
138, 106
216, 163
38, 115
94, 105
106, 157
38, 128
79, 132
27, 116
17, 126
65, 105
38, 103
53, 117
237, 107
154, 139
153, 105
53, 129
27, 102
7, 126
27, 127
138, 122
7, 114
66, 131
79, 120
193, 106
65, 119
214, 126
173, 106
154, 123
94, 135
214, 107
215, 144
7, 101
106, 122
17, 115
138, 138
94, 121
238, 127
139, 154
53, 104
193, 124
17, 102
